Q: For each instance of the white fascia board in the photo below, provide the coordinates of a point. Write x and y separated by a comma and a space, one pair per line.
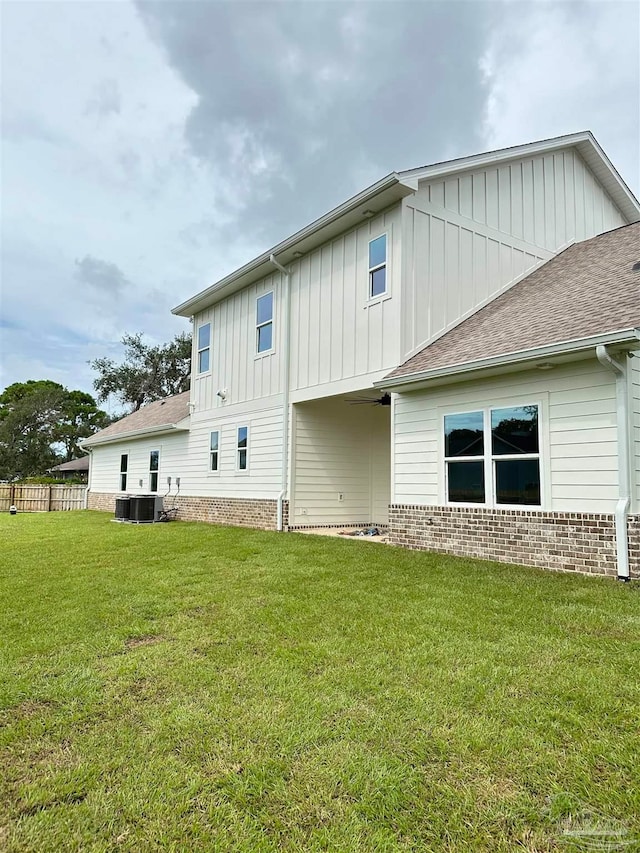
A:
136, 433
584, 142
378, 197
626, 339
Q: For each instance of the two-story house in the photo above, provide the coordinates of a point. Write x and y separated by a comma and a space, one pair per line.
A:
405, 360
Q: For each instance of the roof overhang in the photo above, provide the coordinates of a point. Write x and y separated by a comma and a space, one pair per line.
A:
586, 145
352, 212
95, 441
544, 357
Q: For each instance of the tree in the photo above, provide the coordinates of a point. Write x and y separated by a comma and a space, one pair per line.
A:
147, 373
41, 423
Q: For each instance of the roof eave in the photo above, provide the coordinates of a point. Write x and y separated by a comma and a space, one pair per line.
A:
623, 339
135, 433
380, 195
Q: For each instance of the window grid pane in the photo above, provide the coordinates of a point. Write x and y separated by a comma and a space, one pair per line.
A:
264, 309
154, 457
265, 336
464, 434
517, 481
242, 460
123, 482
378, 281
465, 482
203, 361
514, 430
153, 481
204, 336
214, 460
378, 251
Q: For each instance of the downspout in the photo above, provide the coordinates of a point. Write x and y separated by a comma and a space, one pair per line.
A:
624, 480
285, 396
88, 451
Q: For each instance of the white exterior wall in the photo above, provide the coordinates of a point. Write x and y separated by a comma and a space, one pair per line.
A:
234, 363
186, 455
634, 376
337, 332
340, 449
469, 237
578, 435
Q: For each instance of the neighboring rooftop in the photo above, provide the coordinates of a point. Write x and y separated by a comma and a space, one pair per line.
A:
78, 465
592, 288
153, 417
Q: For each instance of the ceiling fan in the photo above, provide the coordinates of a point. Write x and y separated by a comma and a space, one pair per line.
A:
384, 400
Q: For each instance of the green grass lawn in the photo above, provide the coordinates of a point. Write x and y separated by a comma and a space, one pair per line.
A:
185, 687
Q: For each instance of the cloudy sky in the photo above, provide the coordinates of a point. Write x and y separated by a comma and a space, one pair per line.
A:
148, 148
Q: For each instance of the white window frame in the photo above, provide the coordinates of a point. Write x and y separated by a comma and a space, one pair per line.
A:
371, 269
489, 458
156, 472
271, 322
215, 470
240, 470
200, 349
125, 473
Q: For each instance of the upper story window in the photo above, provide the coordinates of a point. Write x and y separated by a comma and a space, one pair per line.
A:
264, 323
124, 464
378, 266
214, 450
492, 457
154, 465
243, 444
204, 344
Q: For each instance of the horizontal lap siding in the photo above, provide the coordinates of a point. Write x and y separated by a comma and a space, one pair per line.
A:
578, 429
187, 456
340, 449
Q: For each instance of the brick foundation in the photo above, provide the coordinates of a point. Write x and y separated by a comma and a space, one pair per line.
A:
237, 512
561, 541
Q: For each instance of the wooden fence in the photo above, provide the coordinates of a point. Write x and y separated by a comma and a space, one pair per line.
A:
41, 498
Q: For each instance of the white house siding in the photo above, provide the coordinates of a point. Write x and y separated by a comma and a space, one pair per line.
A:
340, 450
186, 455
635, 428
336, 331
472, 235
235, 365
105, 463
578, 434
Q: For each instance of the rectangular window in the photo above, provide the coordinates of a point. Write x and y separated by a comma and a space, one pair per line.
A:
493, 457
264, 323
378, 266
124, 464
204, 343
154, 464
214, 449
243, 438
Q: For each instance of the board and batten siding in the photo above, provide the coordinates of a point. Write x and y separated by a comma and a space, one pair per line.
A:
341, 462
337, 332
578, 434
235, 364
469, 237
186, 455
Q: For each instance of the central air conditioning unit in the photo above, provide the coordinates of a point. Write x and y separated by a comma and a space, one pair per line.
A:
145, 509
123, 509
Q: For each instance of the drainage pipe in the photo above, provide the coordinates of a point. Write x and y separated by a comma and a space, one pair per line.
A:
286, 310
624, 479
87, 450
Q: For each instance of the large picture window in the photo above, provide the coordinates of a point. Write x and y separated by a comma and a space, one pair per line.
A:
264, 323
204, 345
492, 457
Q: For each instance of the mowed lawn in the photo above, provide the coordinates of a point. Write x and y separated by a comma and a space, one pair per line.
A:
184, 687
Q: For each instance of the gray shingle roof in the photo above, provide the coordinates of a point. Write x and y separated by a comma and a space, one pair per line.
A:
81, 464
589, 289
167, 412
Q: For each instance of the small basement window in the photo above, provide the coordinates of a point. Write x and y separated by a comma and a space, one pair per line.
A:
154, 465
124, 464
264, 323
378, 266
204, 344
243, 439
